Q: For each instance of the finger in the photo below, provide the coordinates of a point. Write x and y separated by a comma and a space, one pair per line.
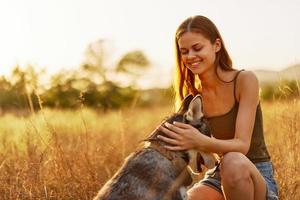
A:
182, 125
168, 140
169, 133
173, 128
174, 148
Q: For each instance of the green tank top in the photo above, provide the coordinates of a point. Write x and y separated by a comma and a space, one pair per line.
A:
223, 127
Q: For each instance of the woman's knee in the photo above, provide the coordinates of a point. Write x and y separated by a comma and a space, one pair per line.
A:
234, 169
204, 192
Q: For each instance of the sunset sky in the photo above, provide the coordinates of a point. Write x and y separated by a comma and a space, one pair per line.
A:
53, 34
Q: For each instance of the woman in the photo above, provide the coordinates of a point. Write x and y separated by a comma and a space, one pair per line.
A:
231, 105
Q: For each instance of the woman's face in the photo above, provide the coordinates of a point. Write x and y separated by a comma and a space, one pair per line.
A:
198, 53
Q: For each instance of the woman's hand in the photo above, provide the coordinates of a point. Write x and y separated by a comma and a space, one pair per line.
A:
182, 137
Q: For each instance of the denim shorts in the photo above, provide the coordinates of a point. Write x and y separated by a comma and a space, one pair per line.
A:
212, 179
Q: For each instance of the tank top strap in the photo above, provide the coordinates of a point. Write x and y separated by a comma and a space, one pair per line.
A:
234, 84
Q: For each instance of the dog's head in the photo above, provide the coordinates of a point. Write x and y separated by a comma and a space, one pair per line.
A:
190, 112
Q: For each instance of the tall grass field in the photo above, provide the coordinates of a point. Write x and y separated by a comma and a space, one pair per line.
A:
61, 154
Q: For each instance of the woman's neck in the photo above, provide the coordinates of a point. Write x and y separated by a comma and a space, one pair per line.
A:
209, 80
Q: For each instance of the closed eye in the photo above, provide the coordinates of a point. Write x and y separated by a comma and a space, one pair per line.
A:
197, 49
183, 52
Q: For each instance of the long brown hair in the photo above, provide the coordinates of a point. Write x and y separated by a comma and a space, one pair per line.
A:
184, 80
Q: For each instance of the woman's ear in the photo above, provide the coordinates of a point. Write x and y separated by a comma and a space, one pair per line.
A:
217, 45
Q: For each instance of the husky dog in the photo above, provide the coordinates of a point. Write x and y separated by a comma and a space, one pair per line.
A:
154, 173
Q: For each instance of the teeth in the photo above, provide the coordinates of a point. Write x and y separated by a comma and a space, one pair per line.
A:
195, 64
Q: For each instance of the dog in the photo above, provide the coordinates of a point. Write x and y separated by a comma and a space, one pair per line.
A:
155, 173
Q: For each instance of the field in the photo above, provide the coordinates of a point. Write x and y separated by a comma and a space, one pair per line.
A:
57, 154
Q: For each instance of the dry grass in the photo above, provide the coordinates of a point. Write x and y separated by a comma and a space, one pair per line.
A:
282, 127
70, 154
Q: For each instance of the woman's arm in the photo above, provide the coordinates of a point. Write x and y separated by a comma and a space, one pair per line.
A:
248, 95
184, 136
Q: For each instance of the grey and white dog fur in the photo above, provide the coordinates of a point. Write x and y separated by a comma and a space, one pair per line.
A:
148, 174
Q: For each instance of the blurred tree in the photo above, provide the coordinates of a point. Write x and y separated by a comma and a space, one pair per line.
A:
62, 93
132, 65
110, 92
132, 62
7, 96
96, 55
24, 84
95, 83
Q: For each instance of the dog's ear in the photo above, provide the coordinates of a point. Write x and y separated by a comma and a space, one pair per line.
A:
195, 109
185, 103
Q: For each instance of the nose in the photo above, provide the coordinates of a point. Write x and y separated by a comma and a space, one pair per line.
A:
191, 55
191, 58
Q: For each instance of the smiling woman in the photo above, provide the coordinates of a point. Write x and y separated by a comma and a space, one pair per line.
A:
197, 55
231, 106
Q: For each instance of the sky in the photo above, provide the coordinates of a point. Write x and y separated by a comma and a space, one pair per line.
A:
53, 34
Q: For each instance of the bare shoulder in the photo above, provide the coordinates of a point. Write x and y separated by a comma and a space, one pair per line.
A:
246, 76
247, 84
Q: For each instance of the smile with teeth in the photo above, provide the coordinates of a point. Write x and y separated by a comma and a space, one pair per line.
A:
195, 64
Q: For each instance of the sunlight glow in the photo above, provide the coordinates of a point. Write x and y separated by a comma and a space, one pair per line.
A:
53, 34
